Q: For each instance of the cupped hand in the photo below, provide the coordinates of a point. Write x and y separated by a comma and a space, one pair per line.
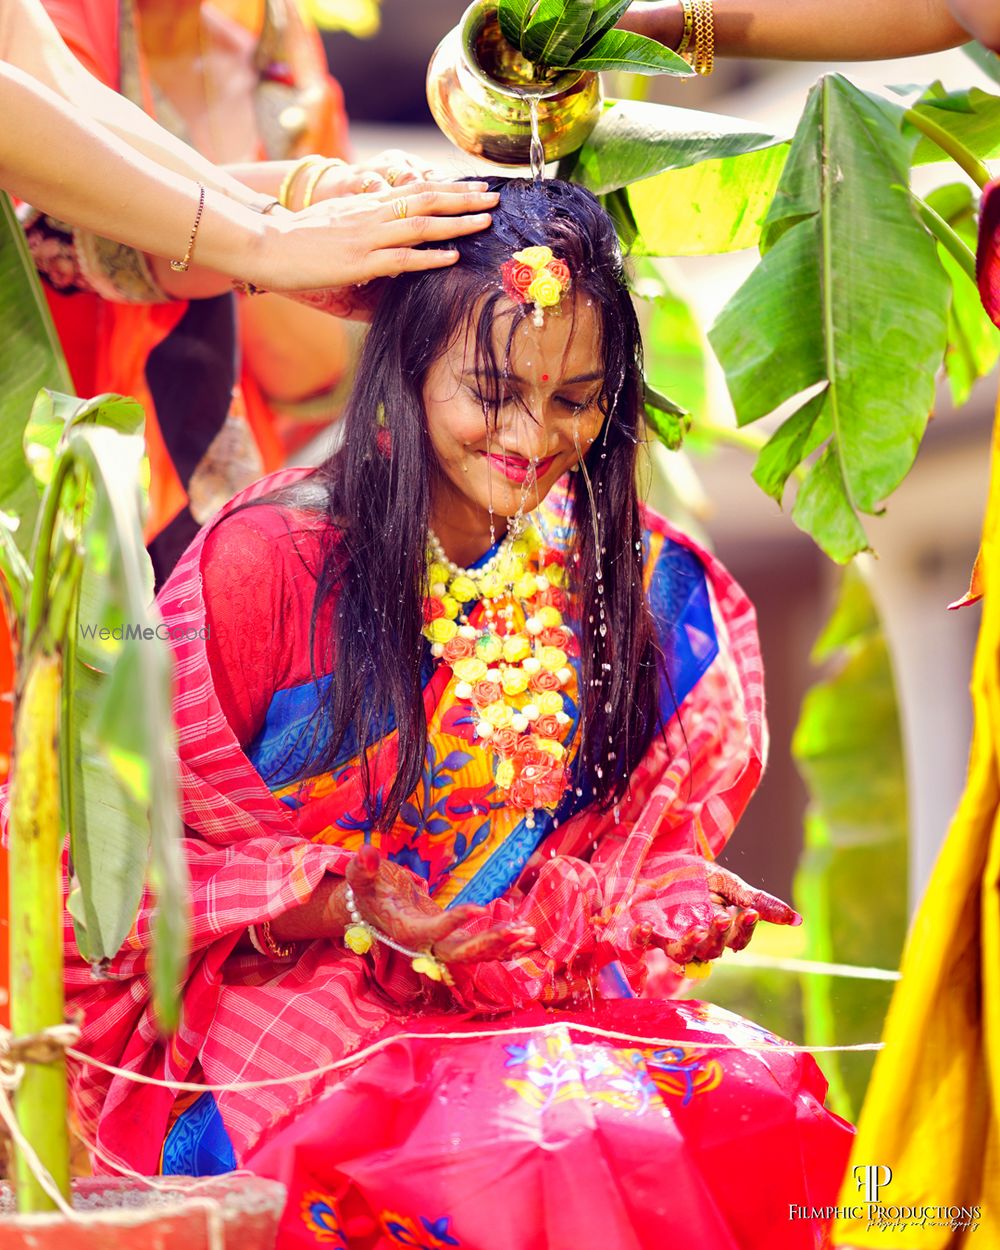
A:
347, 240
700, 932
395, 903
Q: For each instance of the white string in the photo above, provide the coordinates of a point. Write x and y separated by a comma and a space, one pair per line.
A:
812, 967
11, 1075
384, 1043
38, 1169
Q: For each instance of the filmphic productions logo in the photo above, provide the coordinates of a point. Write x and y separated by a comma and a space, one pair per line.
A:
871, 1179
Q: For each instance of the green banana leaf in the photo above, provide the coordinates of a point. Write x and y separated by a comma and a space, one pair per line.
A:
697, 183
30, 358
117, 764
850, 297
971, 116
675, 351
973, 339
119, 788
852, 877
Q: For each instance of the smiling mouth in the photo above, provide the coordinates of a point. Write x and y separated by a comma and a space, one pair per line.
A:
517, 468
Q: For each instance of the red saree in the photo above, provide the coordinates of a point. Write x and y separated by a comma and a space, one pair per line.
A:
246, 1018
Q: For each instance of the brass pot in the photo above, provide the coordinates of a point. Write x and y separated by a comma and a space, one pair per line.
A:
480, 90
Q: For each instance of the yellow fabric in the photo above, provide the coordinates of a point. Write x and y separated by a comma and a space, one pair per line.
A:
932, 1113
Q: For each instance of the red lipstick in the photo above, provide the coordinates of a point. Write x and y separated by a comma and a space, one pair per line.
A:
517, 468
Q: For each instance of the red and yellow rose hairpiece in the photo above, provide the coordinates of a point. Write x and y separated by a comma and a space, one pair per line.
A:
534, 276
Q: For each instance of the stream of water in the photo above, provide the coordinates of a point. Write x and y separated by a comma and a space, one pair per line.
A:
537, 151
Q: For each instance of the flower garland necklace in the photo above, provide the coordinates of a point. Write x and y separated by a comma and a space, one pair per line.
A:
513, 669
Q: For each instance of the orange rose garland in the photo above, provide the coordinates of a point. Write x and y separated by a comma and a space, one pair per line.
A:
512, 670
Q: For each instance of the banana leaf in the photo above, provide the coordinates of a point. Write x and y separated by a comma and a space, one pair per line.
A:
852, 877
696, 183
30, 358
973, 339
850, 298
119, 784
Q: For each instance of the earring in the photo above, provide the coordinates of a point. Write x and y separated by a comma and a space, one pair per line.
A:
575, 468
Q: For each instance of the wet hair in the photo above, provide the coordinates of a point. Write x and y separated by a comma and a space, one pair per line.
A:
379, 503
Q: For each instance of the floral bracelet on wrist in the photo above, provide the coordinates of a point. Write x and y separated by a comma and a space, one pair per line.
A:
360, 936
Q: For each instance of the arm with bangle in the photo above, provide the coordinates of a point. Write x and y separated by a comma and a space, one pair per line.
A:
381, 902
814, 30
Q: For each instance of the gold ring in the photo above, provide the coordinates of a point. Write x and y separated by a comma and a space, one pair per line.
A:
393, 176
368, 181
399, 208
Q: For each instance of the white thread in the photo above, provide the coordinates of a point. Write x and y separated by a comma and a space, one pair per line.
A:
813, 967
38, 1169
479, 1034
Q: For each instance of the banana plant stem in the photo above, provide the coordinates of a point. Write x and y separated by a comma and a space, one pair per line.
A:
36, 961
948, 237
947, 142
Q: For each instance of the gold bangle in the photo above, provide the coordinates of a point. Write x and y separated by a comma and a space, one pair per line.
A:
316, 175
703, 61
181, 266
263, 942
288, 184
685, 43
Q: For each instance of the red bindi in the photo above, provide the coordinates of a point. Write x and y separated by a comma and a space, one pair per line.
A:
545, 377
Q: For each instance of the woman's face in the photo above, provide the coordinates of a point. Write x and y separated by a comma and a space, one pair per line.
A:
548, 415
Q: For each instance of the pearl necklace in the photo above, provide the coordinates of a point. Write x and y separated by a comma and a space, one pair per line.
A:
439, 556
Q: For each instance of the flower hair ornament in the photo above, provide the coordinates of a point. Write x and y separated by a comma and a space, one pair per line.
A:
534, 276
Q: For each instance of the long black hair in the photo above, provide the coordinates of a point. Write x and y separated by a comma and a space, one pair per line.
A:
379, 503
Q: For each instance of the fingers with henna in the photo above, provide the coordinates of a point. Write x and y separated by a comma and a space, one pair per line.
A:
741, 931
500, 942
735, 890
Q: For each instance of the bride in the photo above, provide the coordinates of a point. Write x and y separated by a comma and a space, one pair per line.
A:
463, 729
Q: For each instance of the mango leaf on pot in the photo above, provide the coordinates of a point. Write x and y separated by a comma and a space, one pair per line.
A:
625, 50
851, 298
513, 16
555, 30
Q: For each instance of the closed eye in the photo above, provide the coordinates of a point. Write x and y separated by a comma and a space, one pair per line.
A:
576, 405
